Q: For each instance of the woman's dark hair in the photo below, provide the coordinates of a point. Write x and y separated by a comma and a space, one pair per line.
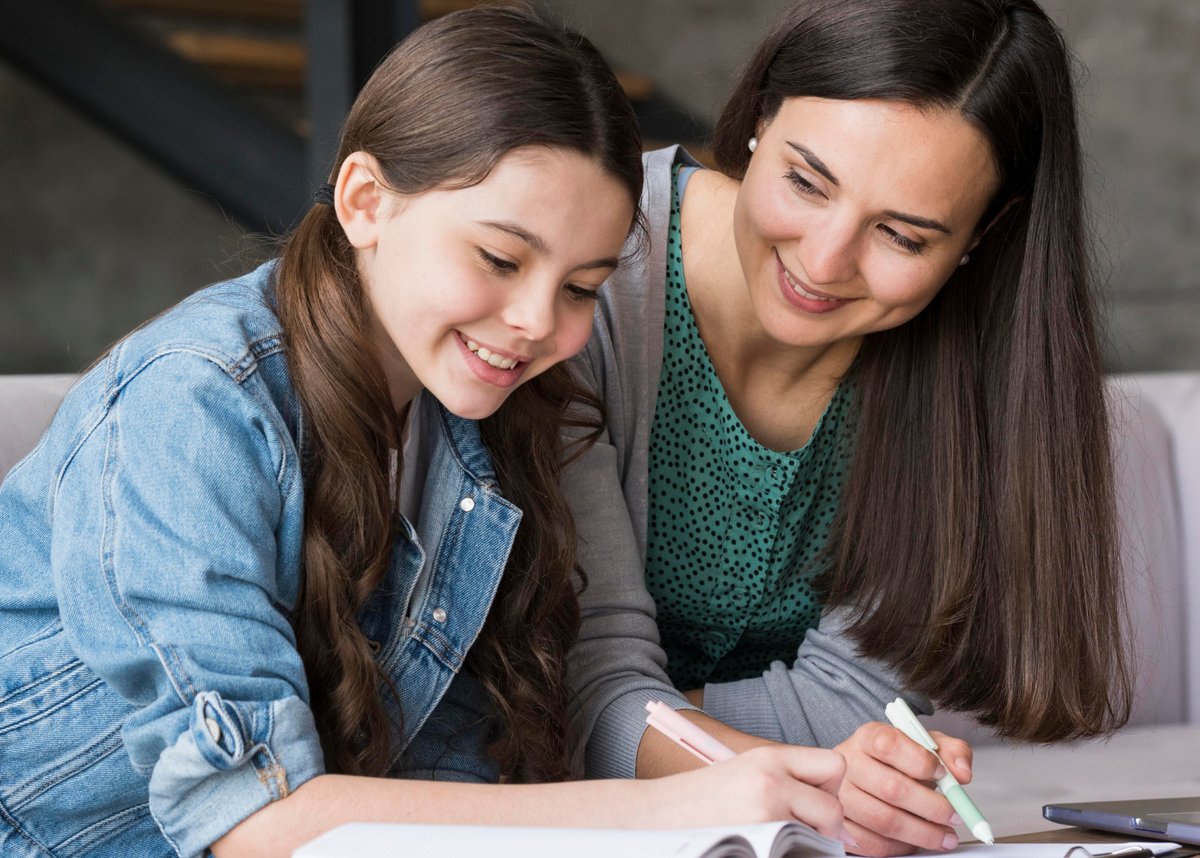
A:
440, 112
976, 537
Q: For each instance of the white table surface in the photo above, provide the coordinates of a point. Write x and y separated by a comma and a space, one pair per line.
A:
1011, 783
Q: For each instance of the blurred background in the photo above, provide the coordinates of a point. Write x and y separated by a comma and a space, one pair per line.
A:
148, 146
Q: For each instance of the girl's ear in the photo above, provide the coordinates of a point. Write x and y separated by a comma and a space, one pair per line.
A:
358, 198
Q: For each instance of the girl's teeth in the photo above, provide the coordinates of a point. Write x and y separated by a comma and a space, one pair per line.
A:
498, 361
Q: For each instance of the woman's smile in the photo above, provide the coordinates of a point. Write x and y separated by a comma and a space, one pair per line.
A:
804, 297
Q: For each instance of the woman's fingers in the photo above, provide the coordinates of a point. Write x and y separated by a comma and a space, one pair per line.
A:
898, 790
956, 753
893, 824
890, 746
888, 789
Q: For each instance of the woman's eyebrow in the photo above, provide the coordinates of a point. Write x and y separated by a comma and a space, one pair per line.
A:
813, 161
920, 222
819, 166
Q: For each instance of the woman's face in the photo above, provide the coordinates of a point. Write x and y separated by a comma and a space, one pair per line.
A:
479, 289
853, 214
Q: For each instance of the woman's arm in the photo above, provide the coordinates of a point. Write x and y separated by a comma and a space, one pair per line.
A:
766, 785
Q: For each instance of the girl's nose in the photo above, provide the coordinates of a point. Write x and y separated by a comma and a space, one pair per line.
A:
534, 312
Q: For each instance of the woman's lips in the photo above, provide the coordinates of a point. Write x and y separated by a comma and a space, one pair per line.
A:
485, 371
804, 297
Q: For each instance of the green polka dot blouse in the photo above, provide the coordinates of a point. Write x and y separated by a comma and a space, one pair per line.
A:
733, 526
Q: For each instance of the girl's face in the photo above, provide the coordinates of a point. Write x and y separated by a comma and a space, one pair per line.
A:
477, 290
853, 214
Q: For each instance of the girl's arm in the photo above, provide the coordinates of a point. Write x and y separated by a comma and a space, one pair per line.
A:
170, 561
765, 785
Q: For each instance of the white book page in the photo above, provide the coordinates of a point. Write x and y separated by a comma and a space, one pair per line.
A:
1047, 850
366, 840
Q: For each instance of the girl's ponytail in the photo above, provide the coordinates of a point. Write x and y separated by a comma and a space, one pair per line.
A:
440, 112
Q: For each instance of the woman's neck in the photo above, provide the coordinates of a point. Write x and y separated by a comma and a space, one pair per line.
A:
757, 371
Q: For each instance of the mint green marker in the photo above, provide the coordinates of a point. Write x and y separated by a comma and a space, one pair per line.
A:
904, 719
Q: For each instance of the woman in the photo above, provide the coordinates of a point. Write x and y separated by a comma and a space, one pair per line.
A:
229, 610
857, 443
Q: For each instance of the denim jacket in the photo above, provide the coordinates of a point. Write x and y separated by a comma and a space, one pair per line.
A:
151, 694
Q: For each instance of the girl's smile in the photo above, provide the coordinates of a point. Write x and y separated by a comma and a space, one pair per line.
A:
493, 366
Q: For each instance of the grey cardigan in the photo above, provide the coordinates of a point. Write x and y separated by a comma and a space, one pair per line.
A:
616, 666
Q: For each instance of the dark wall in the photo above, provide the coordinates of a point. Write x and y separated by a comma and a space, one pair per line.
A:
94, 239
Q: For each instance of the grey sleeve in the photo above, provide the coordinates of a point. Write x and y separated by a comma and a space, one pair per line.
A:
827, 694
616, 665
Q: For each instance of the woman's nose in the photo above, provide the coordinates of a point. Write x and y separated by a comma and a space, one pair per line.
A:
829, 252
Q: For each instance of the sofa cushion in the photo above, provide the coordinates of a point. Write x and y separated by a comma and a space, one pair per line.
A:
27, 405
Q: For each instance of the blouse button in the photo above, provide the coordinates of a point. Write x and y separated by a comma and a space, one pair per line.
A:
466, 504
214, 728
439, 616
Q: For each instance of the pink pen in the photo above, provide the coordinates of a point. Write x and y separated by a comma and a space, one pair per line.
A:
683, 732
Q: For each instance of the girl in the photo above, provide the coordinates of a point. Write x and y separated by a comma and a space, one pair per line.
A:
856, 419
304, 530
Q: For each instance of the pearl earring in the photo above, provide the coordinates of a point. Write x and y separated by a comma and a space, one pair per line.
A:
966, 258
753, 143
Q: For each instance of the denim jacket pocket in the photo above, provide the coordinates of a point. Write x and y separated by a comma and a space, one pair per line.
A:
59, 796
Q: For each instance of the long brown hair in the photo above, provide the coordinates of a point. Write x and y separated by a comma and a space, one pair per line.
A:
440, 112
976, 535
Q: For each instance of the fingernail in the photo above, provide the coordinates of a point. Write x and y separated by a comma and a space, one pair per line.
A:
956, 820
939, 773
963, 763
847, 839
950, 841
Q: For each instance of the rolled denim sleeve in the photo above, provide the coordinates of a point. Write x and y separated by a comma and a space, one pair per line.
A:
175, 573
828, 693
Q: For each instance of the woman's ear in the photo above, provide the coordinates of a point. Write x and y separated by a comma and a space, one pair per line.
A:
358, 198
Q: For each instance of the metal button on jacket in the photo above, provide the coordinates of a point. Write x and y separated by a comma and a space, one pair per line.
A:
439, 616
467, 504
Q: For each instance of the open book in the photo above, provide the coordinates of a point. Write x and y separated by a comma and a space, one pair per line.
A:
369, 840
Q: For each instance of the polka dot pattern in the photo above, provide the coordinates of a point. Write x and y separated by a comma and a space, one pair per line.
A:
734, 527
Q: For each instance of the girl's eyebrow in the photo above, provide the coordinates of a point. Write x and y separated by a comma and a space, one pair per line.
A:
517, 231
819, 167
538, 244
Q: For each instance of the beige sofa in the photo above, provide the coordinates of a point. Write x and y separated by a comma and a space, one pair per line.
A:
1158, 437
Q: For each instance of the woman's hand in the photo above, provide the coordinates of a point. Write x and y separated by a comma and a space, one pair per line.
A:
766, 784
890, 804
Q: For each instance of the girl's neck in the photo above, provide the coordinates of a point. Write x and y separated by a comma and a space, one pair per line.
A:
755, 369
403, 384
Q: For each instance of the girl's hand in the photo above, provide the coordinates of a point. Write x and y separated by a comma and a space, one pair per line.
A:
890, 805
767, 784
